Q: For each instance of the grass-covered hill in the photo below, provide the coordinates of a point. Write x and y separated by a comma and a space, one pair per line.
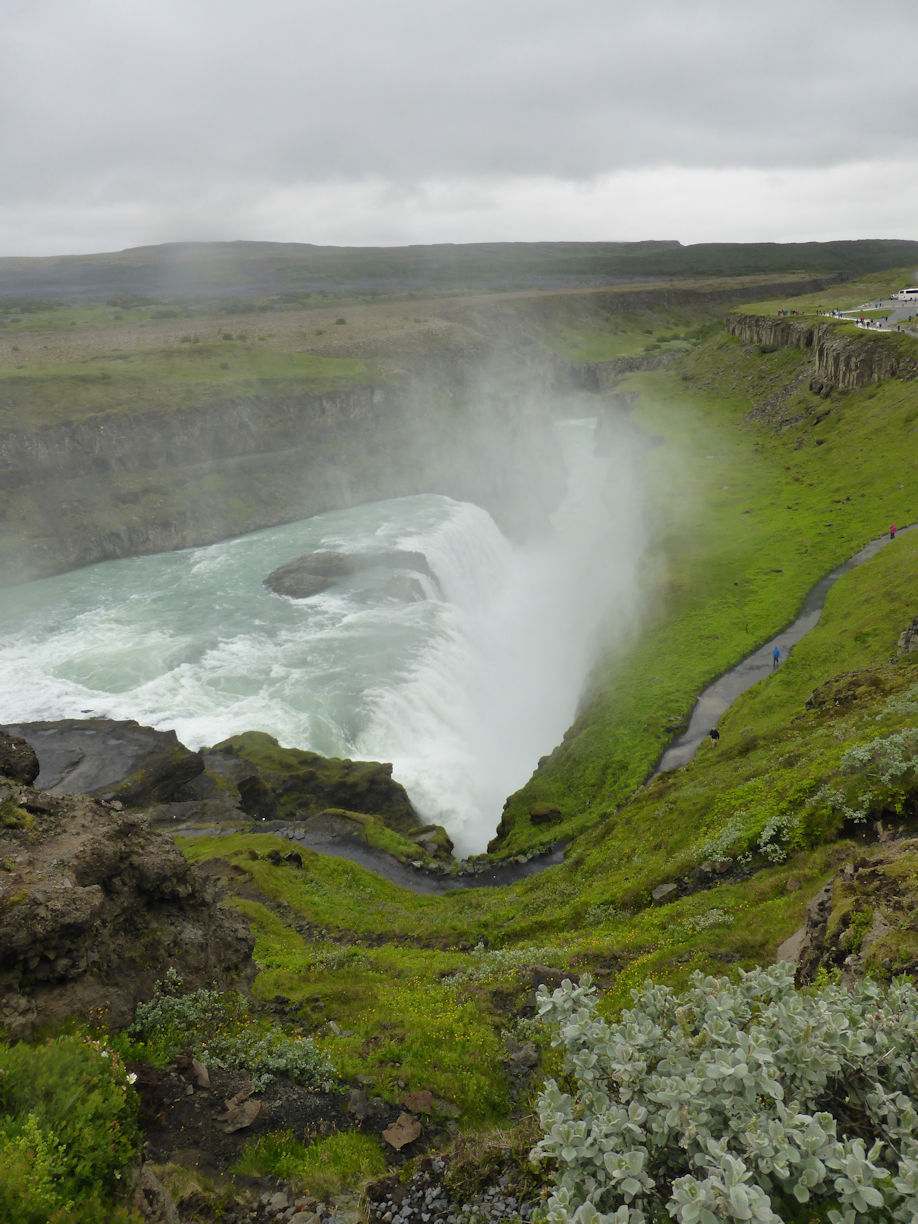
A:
289, 273
758, 486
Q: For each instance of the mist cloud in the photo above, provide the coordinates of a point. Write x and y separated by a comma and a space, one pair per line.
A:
420, 121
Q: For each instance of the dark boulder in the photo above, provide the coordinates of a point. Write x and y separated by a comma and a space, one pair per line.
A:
316, 572
96, 907
17, 759
865, 920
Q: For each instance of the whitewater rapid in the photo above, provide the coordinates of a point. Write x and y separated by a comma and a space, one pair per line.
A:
462, 690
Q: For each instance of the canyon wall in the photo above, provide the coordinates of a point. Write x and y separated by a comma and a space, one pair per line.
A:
124, 483
464, 410
842, 357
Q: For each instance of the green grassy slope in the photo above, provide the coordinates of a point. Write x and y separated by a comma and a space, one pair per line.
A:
768, 487
753, 515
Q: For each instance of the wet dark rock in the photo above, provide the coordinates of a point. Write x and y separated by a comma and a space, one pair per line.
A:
17, 759
317, 571
109, 758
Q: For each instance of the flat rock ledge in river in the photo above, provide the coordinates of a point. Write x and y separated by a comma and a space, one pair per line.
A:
108, 758
315, 572
247, 776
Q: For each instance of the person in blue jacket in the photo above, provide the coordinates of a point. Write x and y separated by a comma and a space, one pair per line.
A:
775, 657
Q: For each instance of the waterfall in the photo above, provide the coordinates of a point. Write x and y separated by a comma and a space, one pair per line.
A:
498, 684
463, 690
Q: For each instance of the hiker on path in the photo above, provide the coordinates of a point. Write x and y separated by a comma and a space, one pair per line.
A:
715, 736
775, 657
892, 532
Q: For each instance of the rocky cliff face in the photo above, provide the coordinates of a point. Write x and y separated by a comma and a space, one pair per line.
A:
121, 483
96, 906
840, 359
865, 920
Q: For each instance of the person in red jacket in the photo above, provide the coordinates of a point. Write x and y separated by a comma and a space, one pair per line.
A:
892, 532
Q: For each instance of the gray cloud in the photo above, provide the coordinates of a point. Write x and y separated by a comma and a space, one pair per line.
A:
176, 118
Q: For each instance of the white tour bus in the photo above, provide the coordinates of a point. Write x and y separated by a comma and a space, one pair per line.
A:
906, 295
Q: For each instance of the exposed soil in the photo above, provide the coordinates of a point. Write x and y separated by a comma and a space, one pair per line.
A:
187, 1124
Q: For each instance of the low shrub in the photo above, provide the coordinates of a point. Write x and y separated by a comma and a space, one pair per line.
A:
222, 1031
875, 778
734, 1101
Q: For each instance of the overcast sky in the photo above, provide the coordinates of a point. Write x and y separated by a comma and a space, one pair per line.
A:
380, 122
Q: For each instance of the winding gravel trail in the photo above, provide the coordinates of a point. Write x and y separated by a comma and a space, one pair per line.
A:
716, 699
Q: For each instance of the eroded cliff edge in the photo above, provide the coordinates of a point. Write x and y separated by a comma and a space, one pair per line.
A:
123, 483
456, 399
842, 357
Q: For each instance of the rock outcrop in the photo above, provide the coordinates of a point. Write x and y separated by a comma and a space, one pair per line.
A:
248, 776
18, 761
316, 571
276, 783
866, 918
908, 638
95, 907
840, 359
109, 758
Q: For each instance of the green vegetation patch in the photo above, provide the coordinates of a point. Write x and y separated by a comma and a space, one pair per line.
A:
758, 506
324, 1168
68, 1131
734, 1100
220, 1028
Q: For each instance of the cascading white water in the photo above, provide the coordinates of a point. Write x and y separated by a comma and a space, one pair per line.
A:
462, 690
498, 685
